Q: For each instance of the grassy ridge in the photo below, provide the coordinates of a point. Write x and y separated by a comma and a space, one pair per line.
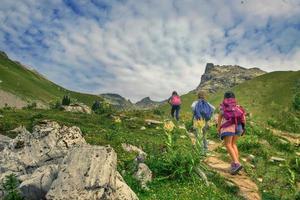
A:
31, 86
265, 97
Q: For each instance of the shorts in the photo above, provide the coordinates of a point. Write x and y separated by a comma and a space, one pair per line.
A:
238, 132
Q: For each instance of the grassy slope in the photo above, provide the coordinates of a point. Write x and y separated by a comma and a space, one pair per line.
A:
31, 86
264, 96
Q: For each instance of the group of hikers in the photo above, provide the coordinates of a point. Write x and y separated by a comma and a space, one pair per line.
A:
230, 122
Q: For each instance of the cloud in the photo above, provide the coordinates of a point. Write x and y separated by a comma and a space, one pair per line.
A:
148, 48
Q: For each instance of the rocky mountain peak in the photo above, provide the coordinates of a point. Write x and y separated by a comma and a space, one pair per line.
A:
218, 77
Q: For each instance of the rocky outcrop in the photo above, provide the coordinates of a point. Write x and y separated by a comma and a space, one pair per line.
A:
117, 101
77, 107
218, 77
55, 162
147, 103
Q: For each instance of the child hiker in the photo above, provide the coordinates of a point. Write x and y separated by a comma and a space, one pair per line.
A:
175, 102
202, 113
231, 124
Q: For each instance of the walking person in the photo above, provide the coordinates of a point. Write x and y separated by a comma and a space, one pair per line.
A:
175, 103
202, 111
231, 124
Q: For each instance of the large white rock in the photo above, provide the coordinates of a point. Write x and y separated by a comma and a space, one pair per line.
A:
77, 107
54, 162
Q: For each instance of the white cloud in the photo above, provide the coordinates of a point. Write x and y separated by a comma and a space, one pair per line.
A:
149, 48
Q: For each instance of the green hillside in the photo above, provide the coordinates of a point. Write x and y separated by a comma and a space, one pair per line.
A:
31, 86
268, 98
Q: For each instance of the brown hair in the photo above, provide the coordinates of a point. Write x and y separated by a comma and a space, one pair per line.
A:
201, 95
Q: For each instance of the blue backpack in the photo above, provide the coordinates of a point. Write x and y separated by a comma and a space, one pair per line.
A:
203, 110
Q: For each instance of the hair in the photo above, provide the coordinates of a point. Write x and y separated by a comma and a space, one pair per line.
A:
174, 93
201, 95
229, 94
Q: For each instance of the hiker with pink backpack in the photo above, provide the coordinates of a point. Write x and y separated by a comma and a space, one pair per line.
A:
175, 102
231, 125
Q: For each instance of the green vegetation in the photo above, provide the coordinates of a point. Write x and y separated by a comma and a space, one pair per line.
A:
32, 87
66, 100
10, 186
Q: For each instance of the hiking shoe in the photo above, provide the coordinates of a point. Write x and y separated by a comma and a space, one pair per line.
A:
235, 168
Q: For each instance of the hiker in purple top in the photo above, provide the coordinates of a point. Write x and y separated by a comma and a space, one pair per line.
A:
175, 102
231, 124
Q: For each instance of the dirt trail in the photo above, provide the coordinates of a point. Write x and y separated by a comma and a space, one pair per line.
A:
248, 189
291, 137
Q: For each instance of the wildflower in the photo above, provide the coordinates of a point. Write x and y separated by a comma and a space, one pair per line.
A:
169, 126
199, 124
118, 120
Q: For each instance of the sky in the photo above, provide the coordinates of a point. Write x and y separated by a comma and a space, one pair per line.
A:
140, 48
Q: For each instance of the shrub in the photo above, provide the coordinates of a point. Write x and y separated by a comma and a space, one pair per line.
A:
10, 185
101, 107
32, 105
158, 112
66, 100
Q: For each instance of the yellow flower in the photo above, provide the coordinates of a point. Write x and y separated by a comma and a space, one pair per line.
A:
199, 124
169, 126
118, 120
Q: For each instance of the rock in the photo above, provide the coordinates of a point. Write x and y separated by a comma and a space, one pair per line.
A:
54, 162
276, 159
77, 107
1, 116
87, 172
123, 191
250, 158
260, 180
143, 175
152, 121
143, 128
218, 77
38, 183
4, 140
202, 175
244, 159
298, 153
132, 148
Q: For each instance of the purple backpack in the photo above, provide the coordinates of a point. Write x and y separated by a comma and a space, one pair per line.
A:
233, 113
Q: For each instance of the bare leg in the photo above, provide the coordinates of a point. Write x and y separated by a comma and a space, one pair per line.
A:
230, 150
234, 139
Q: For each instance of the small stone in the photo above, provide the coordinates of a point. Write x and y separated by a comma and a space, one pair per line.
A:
250, 157
152, 121
298, 153
252, 166
1, 116
183, 136
283, 141
244, 159
157, 128
260, 180
276, 159
143, 128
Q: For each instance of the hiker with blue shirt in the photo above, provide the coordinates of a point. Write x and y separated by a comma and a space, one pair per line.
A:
203, 111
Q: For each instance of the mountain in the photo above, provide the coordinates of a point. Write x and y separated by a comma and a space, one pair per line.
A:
218, 77
147, 103
20, 86
117, 101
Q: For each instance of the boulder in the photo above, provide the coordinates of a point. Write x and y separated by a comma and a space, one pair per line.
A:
4, 140
143, 175
54, 162
152, 121
88, 172
132, 148
77, 107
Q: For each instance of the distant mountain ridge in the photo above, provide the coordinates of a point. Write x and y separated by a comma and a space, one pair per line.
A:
122, 103
217, 77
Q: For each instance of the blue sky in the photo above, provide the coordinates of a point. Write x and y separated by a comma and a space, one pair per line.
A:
140, 48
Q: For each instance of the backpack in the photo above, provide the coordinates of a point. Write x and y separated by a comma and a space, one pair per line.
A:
175, 100
203, 110
233, 113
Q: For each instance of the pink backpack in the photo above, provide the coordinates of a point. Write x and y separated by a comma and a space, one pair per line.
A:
233, 113
175, 100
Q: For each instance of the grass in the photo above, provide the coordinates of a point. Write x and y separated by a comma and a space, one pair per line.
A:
31, 86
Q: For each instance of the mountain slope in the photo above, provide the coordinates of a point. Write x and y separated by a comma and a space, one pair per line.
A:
117, 101
266, 97
147, 103
31, 86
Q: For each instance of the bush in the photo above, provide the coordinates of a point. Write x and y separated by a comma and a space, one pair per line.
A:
158, 112
296, 102
32, 105
56, 105
101, 107
66, 100
10, 185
